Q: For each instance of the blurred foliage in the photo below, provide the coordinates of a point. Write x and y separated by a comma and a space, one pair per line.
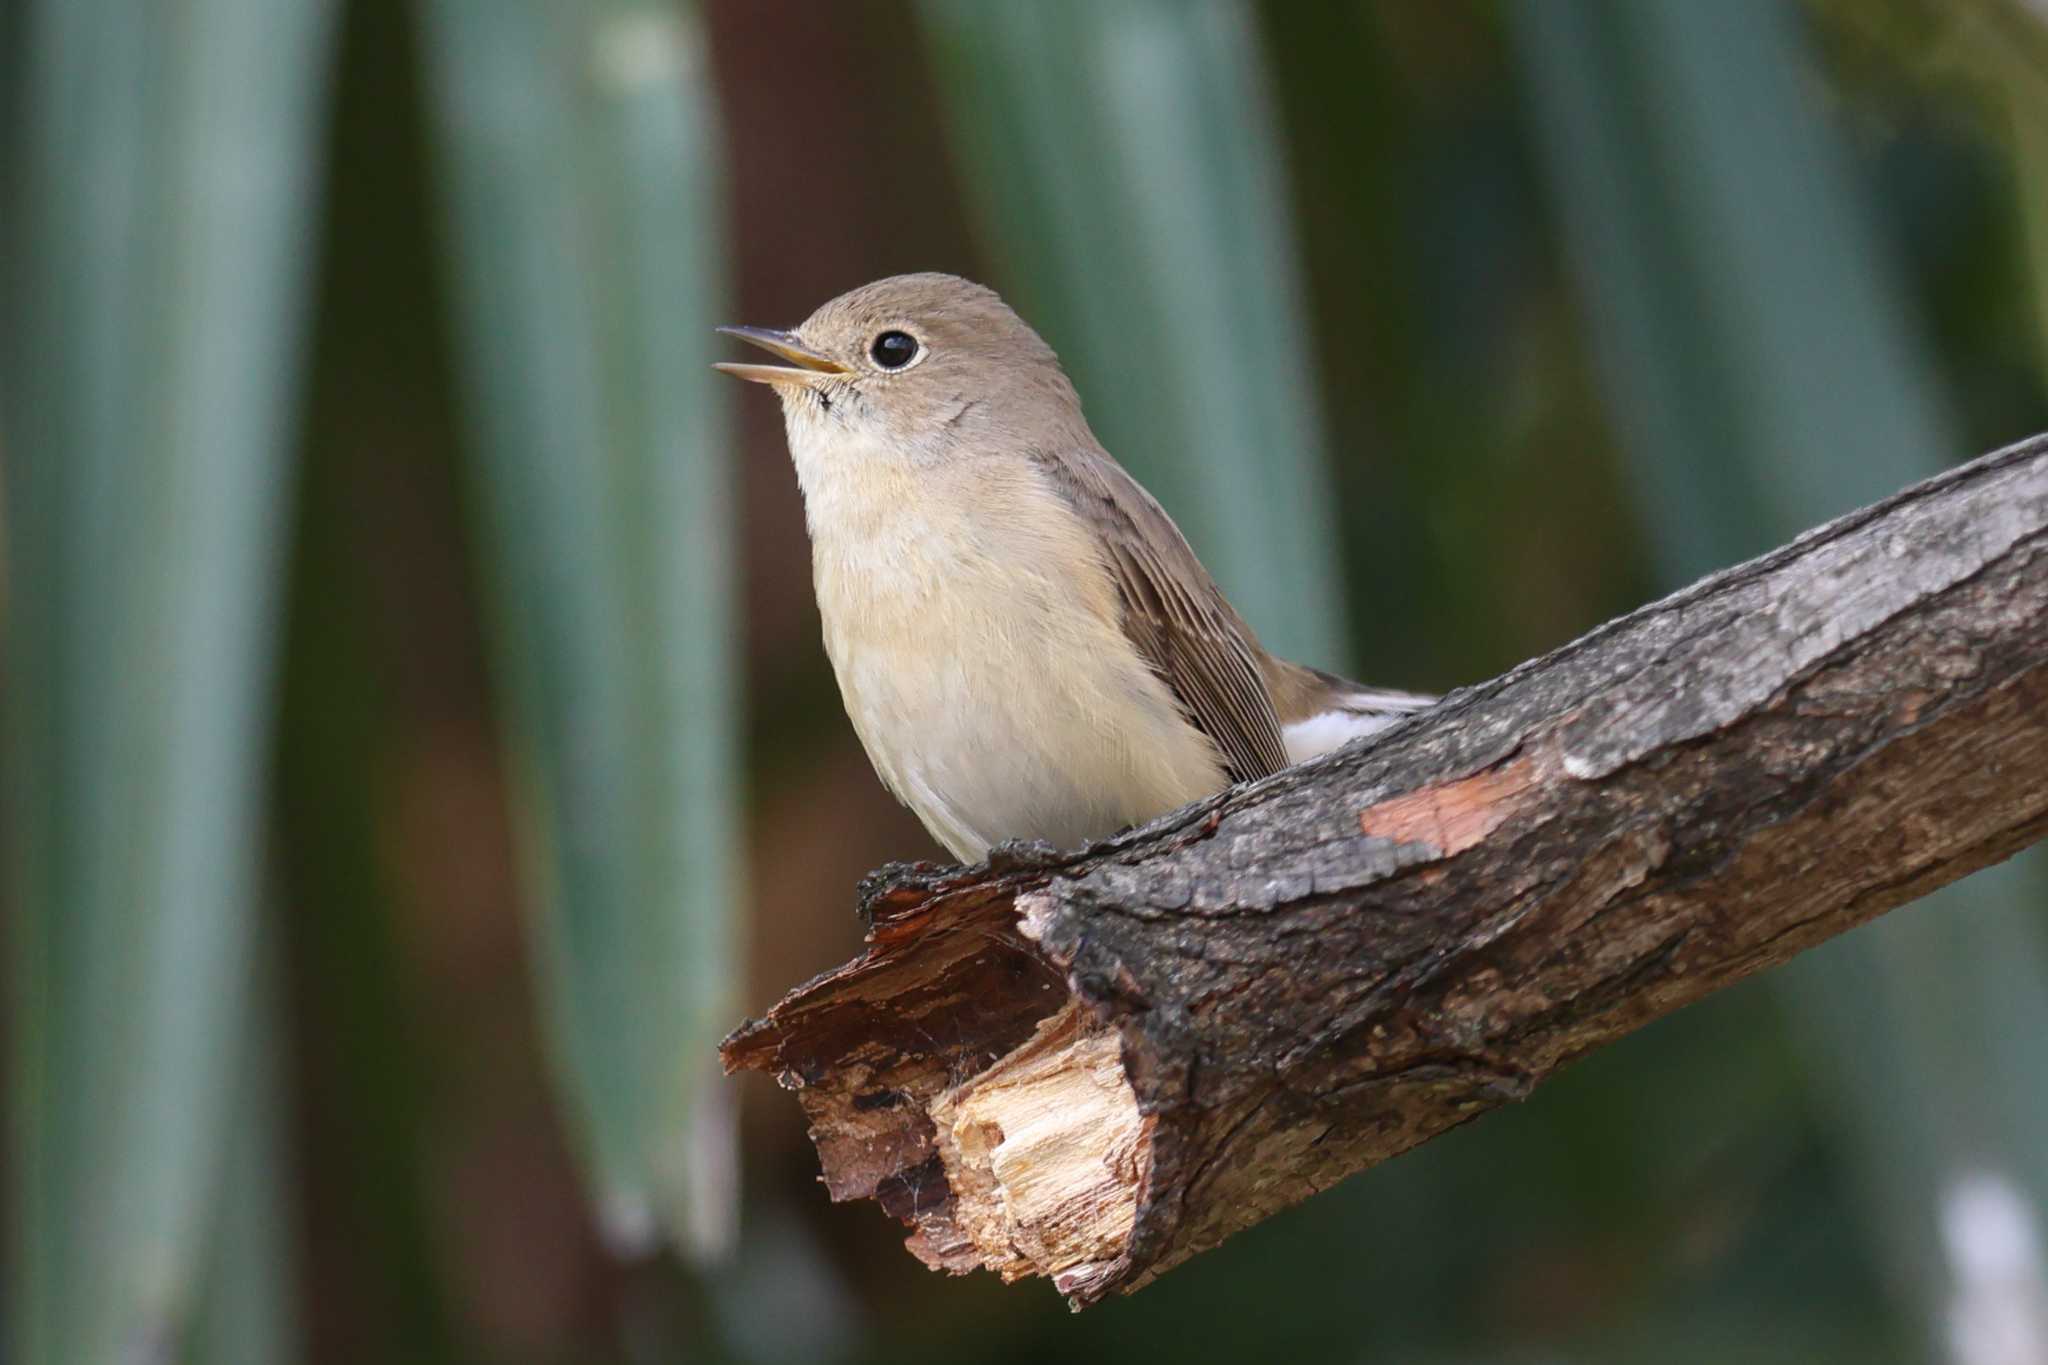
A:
584, 230
162, 194
1335, 279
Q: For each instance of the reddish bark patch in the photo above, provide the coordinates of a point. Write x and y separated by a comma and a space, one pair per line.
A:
1453, 816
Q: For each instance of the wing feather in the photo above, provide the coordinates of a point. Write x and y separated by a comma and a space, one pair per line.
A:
1175, 615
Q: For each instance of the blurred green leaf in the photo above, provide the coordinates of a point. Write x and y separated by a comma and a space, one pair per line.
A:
163, 222
1765, 378
2008, 39
248, 1305
583, 229
1127, 164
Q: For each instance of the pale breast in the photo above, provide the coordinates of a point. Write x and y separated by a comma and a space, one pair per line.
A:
975, 640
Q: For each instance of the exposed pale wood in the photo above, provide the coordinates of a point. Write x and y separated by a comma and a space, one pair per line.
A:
1091, 1066
1045, 1152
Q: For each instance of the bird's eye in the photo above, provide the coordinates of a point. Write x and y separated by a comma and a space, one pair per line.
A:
893, 350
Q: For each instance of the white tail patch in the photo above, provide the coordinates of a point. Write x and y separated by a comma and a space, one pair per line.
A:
1319, 734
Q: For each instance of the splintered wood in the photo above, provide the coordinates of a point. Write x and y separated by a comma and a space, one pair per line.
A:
1046, 1153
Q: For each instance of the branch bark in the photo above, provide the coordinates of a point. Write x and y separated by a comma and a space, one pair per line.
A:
1092, 1066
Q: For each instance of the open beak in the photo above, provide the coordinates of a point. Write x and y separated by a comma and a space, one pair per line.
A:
808, 367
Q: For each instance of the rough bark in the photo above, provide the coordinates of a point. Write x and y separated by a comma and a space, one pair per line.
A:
1092, 1066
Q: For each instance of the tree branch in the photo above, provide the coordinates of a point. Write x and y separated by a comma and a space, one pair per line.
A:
1092, 1066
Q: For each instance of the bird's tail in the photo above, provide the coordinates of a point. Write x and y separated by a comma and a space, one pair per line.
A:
1320, 711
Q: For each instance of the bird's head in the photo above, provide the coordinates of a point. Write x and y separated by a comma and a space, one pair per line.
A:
926, 366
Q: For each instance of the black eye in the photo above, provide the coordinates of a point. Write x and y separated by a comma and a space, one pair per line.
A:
893, 350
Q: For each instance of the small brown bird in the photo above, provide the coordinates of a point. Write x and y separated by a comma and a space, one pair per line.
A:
1025, 643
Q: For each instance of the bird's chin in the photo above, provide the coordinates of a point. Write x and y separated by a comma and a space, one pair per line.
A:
809, 415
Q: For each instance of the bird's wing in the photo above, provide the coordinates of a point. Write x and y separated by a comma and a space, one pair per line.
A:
1175, 615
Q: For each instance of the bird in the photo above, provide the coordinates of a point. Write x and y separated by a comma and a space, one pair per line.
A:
1026, 645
